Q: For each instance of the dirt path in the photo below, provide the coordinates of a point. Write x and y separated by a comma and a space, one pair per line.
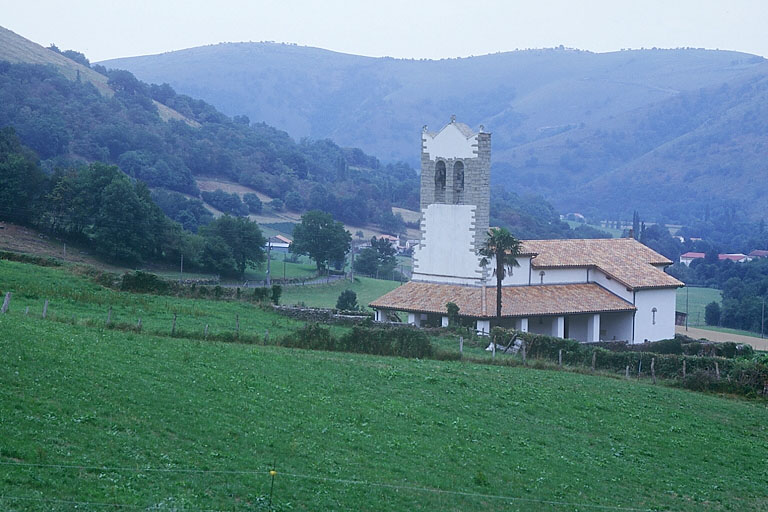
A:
693, 332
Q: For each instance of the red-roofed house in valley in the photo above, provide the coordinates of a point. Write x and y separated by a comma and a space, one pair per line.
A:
735, 257
688, 257
279, 243
588, 290
757, 253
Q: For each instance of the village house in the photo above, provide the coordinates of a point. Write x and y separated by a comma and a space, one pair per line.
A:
688, 257
588, 290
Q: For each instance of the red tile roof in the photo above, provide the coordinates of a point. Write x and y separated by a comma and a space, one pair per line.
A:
693, 255
624, 259
517, 301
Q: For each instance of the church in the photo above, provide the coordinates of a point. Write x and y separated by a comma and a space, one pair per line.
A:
588, 290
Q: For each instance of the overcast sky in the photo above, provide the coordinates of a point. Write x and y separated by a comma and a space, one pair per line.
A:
104, 29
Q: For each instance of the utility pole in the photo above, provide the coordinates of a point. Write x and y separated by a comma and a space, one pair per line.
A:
269, 260
181, 269
762, 320
686, 308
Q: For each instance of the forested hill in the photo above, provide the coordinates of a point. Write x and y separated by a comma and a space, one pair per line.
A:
600, 133
116, 119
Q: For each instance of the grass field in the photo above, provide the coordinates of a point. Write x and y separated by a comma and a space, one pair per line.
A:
100, 416
325, 295
78, 298
698, 298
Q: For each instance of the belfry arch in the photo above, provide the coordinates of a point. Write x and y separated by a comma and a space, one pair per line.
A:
458, 182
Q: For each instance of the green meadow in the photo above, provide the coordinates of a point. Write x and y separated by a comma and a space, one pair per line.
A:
696, 300
101, 419
77, 299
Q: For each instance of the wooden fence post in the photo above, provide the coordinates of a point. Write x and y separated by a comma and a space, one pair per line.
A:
173, 326
6, 303
683, 367
109, 316
653, 369
493, 349
717, 370
525, 363
205, 334
639, 367
560, 358
266, 335
626, 373
237, 324
45, 308
138, 325
26, 311
594, 359
461, 345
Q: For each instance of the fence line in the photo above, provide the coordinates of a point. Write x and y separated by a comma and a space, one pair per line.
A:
344, 481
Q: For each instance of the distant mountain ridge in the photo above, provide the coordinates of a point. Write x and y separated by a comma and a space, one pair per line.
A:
566, 124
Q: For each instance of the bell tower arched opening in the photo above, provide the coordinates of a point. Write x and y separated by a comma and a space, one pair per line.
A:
440, 181
458, 182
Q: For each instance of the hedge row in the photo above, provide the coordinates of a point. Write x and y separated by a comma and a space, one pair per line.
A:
402, 342
41, 261
739, 376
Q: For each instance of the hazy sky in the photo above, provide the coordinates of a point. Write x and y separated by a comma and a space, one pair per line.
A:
104, 29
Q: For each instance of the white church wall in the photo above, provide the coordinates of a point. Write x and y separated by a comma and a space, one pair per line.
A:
610, 284
518, 276
450, 143
559, 275
446, 253
658, 326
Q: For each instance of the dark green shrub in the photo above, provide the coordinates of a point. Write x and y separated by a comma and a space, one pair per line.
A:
347, 301
673, 346
143, 282
261, 294
311, 336
275, 294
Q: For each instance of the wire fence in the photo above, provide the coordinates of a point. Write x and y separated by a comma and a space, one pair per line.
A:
270, 473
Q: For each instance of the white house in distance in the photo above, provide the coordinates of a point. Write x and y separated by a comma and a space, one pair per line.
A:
588, 290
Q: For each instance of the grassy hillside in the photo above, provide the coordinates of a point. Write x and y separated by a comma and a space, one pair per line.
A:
79, 300
325, 295
697, 299
99, 417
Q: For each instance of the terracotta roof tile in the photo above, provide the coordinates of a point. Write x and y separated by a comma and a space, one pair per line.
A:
517, 301
624, 259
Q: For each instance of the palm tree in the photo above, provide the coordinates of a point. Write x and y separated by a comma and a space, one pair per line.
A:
505, 248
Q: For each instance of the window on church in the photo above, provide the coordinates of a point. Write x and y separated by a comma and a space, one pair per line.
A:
440, 174
458, 182
458, 176
440, 181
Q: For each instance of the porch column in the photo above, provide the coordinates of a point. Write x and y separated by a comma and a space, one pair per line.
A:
377, 315
483, 327
521, 324
558, 327
444, 321
593, 327
414, 319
